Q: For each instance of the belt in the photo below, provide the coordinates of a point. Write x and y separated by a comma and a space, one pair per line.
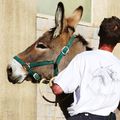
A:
95, 117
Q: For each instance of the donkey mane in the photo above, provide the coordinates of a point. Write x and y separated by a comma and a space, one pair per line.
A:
84, 42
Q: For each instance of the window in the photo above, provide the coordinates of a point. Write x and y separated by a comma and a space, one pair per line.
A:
48, 7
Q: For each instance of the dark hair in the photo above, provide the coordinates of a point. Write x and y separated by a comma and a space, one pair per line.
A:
110, 31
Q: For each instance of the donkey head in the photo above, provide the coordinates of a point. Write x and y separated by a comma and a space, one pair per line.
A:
46, 49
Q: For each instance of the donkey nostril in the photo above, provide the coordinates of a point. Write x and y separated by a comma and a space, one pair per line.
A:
9, 70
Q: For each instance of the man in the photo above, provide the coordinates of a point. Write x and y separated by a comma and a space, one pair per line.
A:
94, 77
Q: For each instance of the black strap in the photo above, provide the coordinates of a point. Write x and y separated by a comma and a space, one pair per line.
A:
112, 116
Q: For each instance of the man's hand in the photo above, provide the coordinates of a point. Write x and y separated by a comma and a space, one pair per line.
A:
56, 89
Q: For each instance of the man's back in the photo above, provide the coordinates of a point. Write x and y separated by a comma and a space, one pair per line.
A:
99, 85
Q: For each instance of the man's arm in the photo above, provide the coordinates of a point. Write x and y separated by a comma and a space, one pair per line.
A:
56, 89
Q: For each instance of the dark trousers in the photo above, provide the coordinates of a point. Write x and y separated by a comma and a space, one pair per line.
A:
88, 116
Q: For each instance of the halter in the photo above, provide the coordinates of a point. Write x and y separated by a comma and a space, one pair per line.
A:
29, 66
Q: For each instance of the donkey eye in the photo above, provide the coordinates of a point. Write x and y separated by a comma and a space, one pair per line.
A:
40, 45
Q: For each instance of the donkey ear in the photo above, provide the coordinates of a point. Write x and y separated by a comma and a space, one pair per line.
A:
76, 16
59, 17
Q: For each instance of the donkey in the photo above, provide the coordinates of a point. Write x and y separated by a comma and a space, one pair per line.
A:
51, 53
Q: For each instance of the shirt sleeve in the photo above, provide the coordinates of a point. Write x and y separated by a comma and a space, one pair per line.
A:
70, 78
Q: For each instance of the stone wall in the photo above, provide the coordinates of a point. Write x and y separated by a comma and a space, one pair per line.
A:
17, 31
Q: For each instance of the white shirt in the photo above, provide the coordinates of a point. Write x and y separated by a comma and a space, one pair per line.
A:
94, 77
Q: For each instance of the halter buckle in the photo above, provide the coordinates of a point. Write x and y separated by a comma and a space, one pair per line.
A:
26, 66
36, 76
65, 50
